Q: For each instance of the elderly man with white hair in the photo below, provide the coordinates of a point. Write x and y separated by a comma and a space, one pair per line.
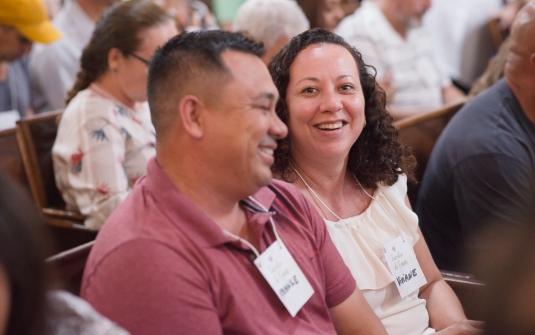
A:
271, 22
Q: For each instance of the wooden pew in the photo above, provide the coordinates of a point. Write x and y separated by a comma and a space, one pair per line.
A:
69, 266
420, 132
10, 157
468, 290
36, 135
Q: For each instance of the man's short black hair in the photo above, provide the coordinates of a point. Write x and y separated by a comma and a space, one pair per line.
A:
184, 63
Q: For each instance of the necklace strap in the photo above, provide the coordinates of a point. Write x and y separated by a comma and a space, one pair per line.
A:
332, 212
247, 243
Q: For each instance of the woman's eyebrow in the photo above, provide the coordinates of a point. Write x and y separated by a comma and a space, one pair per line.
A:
344, 76
308, 78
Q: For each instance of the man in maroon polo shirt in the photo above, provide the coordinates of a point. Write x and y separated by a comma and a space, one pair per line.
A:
207, 243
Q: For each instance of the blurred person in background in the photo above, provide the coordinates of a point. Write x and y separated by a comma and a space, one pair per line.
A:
189, 15
324, 14
389, 35
506, 266
22, 22
225, 11
53, 67
462, 40
52, 7
27, 304
23, 276
482, 168
105, 136
270, 22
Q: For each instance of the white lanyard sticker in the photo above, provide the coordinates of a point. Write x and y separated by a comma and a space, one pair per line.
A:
284, 276
404, 266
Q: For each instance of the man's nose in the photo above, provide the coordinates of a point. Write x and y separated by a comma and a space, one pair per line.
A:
278, 129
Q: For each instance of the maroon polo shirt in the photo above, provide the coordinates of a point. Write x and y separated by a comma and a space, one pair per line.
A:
160, 265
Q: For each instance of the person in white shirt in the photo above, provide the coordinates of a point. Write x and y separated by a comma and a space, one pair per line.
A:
105, 136
53, 67
342, 153
270, 22
389, 36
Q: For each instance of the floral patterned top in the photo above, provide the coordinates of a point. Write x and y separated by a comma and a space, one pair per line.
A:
101, 149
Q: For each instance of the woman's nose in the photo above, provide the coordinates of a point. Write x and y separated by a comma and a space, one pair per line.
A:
331, 102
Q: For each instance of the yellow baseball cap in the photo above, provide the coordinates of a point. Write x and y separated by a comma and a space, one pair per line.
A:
29, 18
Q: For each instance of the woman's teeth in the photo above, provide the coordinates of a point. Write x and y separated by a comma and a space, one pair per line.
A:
330, 126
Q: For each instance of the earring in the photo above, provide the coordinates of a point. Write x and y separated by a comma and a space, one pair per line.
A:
114, 70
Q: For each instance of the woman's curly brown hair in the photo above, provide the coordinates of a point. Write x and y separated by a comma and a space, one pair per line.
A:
376, 156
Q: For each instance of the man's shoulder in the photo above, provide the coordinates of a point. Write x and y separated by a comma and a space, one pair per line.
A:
487, 123
136, 224
486, 126
287, 195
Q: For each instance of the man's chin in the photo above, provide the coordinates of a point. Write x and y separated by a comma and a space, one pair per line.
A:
415, 22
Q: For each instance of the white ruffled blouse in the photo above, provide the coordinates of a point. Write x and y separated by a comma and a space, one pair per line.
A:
357, 239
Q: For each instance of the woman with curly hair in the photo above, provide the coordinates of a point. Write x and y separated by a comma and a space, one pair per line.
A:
342, 153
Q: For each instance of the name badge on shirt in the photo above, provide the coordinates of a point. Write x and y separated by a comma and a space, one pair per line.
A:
8, 119
404, 266
284, 276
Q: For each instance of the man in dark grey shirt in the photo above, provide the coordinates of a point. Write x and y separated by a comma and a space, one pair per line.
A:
482, 170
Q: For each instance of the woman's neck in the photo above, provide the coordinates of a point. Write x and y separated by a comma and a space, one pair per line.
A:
335, 186
111, 90
327, 179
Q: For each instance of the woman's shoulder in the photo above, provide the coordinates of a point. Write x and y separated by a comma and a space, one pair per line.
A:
89, 103
397, 191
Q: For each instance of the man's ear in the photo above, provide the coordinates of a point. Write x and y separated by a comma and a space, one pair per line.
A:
190, 110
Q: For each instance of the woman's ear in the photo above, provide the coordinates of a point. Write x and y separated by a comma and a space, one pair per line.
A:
115, 59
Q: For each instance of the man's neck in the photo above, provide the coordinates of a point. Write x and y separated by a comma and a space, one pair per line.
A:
93, 9
389, 12
220, 205
524, 92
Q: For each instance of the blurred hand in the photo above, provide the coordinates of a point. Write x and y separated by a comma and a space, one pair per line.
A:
4, 69
386, 84
507, 14
465, 327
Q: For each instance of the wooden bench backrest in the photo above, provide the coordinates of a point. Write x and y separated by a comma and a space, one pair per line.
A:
420, 132
468, 290
10, 157
69, 266
37, 134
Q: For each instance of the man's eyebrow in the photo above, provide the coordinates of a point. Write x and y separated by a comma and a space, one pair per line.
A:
265, 95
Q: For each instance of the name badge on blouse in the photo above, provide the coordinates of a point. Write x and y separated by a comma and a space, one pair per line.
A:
284, 276
404, 266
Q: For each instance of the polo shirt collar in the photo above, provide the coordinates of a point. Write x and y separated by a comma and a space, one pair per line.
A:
191, 220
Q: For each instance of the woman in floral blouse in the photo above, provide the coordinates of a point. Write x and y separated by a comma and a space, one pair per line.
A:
105, 135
